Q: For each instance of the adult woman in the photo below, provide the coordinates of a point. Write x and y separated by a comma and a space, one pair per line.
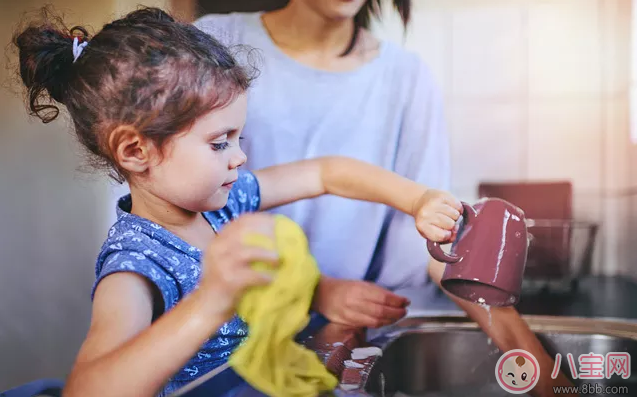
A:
328, 86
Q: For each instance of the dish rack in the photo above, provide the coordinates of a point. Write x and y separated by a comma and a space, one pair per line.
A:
560, 253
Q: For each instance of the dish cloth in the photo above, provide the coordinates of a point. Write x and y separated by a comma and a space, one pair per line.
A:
269, 359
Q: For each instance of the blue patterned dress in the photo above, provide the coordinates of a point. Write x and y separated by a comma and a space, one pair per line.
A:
137, 245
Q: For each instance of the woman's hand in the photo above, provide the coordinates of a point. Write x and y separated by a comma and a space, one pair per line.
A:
358, 303
436, 213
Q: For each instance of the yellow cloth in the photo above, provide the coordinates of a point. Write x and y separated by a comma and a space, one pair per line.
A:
269, 359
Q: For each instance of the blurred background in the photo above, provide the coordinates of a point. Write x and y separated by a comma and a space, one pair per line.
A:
535, 91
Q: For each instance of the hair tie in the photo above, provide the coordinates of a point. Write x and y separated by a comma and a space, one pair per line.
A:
78, 48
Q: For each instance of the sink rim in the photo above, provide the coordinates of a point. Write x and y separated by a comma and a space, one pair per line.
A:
604, 327
616, 328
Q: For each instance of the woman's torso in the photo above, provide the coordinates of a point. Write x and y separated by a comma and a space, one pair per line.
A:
296, 112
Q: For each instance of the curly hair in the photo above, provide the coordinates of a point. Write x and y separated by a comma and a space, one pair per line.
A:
145, 70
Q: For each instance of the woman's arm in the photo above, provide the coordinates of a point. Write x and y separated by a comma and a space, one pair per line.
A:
123, 355
508, 331
340, 176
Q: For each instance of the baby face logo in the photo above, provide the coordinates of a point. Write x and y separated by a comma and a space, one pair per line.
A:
517, 371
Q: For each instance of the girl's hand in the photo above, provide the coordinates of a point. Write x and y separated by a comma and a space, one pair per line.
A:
436, 213
226, 266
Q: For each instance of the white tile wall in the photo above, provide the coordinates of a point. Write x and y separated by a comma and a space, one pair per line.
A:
564, 47
616, 22
433, 43
488, 61
538, 89
479, 130
564, 141
617, 151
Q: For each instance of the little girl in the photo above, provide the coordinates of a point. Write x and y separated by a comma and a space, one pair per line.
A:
163, 104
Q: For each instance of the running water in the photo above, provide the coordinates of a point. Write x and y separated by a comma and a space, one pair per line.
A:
382, 384
488, 356
487, 308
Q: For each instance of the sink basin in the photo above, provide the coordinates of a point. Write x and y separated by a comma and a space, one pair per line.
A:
454, 357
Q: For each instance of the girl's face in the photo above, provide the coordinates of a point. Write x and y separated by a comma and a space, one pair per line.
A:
199, 165
333, 9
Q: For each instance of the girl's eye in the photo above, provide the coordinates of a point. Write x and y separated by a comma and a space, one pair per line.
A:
220, 146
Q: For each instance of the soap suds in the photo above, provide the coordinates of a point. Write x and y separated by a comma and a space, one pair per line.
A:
352, 364
361, 353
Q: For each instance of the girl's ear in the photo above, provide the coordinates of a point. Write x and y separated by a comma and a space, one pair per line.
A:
130, 150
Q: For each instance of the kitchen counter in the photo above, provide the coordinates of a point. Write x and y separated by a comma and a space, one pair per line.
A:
595, 297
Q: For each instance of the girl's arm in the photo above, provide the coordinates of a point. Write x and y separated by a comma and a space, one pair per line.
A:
123, 355
340, 176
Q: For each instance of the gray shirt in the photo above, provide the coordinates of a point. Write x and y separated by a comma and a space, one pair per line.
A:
387, 112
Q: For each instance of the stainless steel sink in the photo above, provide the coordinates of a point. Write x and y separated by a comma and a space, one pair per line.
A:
453, 357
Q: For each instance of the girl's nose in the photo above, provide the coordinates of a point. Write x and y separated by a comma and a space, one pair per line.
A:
238, 159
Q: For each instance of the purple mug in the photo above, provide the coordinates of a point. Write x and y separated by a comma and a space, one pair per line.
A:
487, 259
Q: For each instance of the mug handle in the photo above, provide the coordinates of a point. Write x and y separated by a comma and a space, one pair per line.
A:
435, 249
